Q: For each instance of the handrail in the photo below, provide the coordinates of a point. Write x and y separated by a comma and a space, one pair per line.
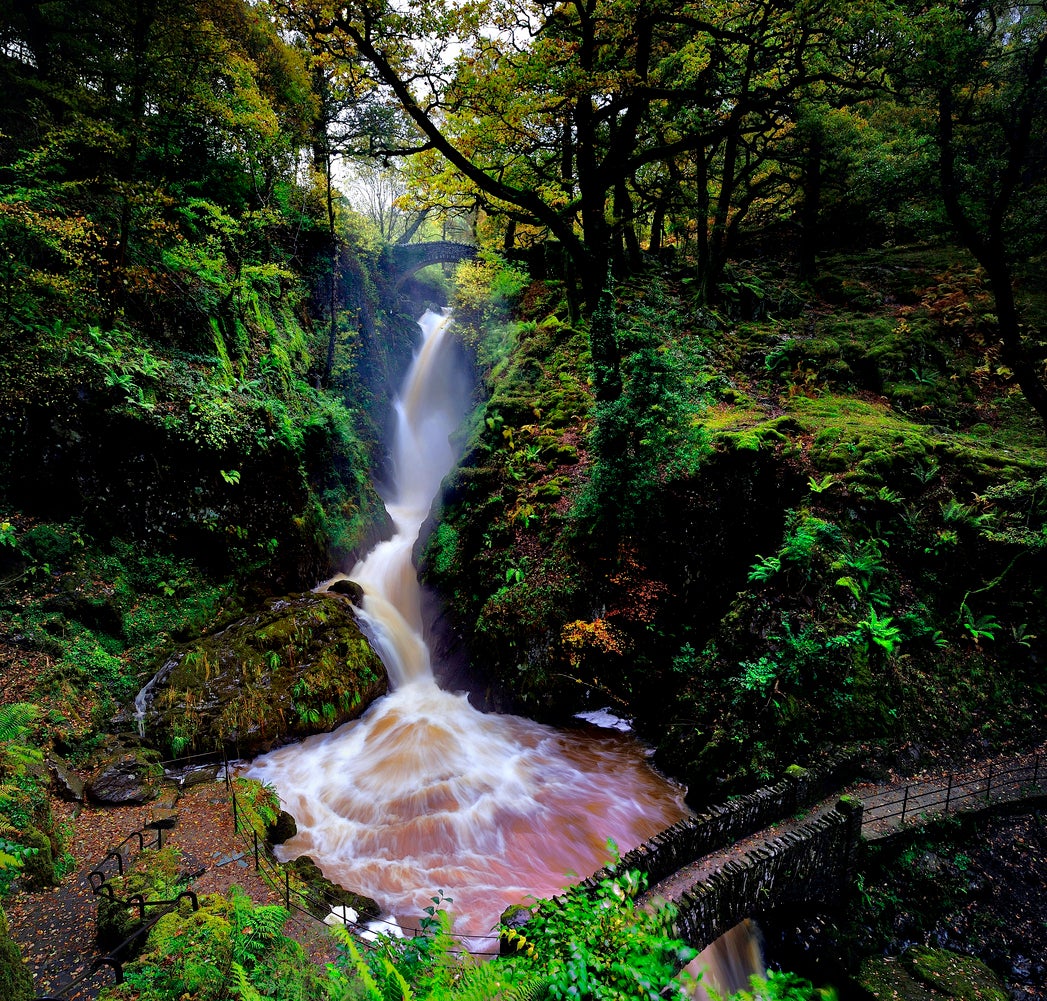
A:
961, 791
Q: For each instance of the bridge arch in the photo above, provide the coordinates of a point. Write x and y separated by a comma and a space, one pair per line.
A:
408, 258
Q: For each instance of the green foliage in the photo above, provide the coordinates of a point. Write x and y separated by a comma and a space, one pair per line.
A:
642, 433
258, 805
485, 290
599, 944
230, 949
880, 631
780, 985
23, 848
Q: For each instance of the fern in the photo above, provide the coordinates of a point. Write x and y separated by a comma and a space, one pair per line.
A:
255, 927
360, 967
15, 754
242, 985
15, 719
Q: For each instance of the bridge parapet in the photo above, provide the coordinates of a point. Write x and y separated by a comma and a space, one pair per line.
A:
405, 259
813, 864
725, 824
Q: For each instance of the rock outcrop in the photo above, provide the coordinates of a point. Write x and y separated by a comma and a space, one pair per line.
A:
298, 666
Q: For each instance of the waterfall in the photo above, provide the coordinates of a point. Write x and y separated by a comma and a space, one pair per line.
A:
424, 793
727, 965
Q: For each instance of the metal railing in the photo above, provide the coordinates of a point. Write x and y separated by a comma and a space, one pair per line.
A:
120, 857
920, 801
319, 903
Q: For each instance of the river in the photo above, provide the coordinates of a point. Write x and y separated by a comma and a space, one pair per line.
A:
424, 795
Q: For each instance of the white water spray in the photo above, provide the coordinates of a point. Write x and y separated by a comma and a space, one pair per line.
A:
424, 793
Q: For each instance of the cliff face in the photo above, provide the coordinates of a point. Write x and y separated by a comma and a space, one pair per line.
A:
779, 536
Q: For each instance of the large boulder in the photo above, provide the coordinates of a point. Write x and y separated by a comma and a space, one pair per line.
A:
126, 776
298, 666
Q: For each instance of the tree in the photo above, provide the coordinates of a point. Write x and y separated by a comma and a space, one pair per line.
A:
125, 116
550, 110
986, 77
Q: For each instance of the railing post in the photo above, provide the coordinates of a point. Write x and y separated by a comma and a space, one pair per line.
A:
236, 825
287, 888
988, 785
255, 833
948, 794
905, 803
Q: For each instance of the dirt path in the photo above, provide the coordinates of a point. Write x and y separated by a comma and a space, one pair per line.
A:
56, 928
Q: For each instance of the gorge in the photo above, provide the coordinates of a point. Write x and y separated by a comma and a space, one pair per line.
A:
425, 794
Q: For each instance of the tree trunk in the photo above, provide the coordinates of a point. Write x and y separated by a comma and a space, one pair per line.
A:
812, 197
1015, 354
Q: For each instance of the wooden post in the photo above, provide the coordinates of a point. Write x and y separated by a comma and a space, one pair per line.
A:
235, 820
255, 833
905, 803
287, 888
948, 793
988, 785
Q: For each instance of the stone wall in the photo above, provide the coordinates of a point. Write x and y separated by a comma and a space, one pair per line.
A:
812, 865
724, 825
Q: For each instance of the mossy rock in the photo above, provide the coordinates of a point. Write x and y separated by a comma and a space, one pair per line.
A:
156, 874
298, 666
130, 775
38, 870
16, 982
954, 975
114, 924
323, 895
283, 829
922, 974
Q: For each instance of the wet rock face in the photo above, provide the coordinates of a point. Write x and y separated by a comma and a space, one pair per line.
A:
298, 666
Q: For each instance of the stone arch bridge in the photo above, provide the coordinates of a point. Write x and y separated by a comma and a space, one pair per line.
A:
407, 258
796, 844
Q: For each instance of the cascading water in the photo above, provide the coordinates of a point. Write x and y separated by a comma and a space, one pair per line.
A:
424, 793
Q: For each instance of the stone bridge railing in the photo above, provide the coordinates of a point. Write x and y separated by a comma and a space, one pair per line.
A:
724, 825
724, 864
812, 864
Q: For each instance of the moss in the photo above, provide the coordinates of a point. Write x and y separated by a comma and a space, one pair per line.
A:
955, 976
16, 982
298, 666
887, 980
38, 868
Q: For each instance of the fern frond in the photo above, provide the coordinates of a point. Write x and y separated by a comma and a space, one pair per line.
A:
363, 971
245, 990
397, 979
532, 989
15, 719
